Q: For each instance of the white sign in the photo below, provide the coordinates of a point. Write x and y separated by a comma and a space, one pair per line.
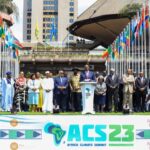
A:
54, 132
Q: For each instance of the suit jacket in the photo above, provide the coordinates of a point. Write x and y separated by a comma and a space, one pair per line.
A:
129, 82
61, 82
90, 76
112, 82
139, 84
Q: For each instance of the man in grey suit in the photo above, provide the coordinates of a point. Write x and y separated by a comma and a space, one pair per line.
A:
141, 84
112, 82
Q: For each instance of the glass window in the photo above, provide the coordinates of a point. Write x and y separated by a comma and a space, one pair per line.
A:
71, 9
28, 31
29, 4
71, 20
29, 20
28, 37
71, 3
28, 25
71, 38
28, 14
71, 14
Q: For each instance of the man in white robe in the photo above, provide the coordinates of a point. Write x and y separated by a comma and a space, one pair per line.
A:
7, 92
48, 86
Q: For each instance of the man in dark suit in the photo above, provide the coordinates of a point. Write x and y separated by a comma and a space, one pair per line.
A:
87, 75
61, 90
112, 82
141, 84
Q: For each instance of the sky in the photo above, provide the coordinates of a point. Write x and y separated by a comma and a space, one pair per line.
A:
18, 27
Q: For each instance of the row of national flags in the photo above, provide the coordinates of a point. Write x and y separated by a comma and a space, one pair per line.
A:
9, 40
130, 34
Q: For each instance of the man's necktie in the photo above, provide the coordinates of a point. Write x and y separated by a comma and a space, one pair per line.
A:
87, 74
61, 79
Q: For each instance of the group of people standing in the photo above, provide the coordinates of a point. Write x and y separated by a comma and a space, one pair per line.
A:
22, 94
129, 92
45, 94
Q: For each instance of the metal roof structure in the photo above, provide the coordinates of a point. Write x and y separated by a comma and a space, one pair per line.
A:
102, 22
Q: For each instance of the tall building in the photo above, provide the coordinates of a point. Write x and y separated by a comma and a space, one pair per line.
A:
52, 17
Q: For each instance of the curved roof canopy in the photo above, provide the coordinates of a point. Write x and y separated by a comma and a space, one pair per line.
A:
102, 22
7, 18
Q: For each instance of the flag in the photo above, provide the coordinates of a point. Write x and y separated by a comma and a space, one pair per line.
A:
15, 53
16, 43
107, 52
113, 56
113, 51
133, 28
37, 30
116, 48
1, 20
9, 39
124, 39
147, 15
1, 32
127, 34
138, 25
53, 32
121, 45
141, 24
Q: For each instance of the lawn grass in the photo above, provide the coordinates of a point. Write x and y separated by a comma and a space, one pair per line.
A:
69, 113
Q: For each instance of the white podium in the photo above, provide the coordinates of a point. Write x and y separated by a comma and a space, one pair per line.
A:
87, 89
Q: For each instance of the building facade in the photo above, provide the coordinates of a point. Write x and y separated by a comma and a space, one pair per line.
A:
41, 59
52, 17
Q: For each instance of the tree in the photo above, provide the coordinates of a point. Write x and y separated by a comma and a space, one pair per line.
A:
9, 7
130, 10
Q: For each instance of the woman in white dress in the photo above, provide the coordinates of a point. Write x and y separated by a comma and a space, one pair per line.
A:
33, 93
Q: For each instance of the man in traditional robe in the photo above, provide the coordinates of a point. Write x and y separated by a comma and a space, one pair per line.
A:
7, 92
48, 86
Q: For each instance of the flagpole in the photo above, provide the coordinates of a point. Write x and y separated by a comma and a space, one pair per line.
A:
145, 42
127, 56
122, 56
133, 55
129, 48
149, 41
4, 54
0, 58
135, 46
125, 65
45, 36
142, 51
139, 59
